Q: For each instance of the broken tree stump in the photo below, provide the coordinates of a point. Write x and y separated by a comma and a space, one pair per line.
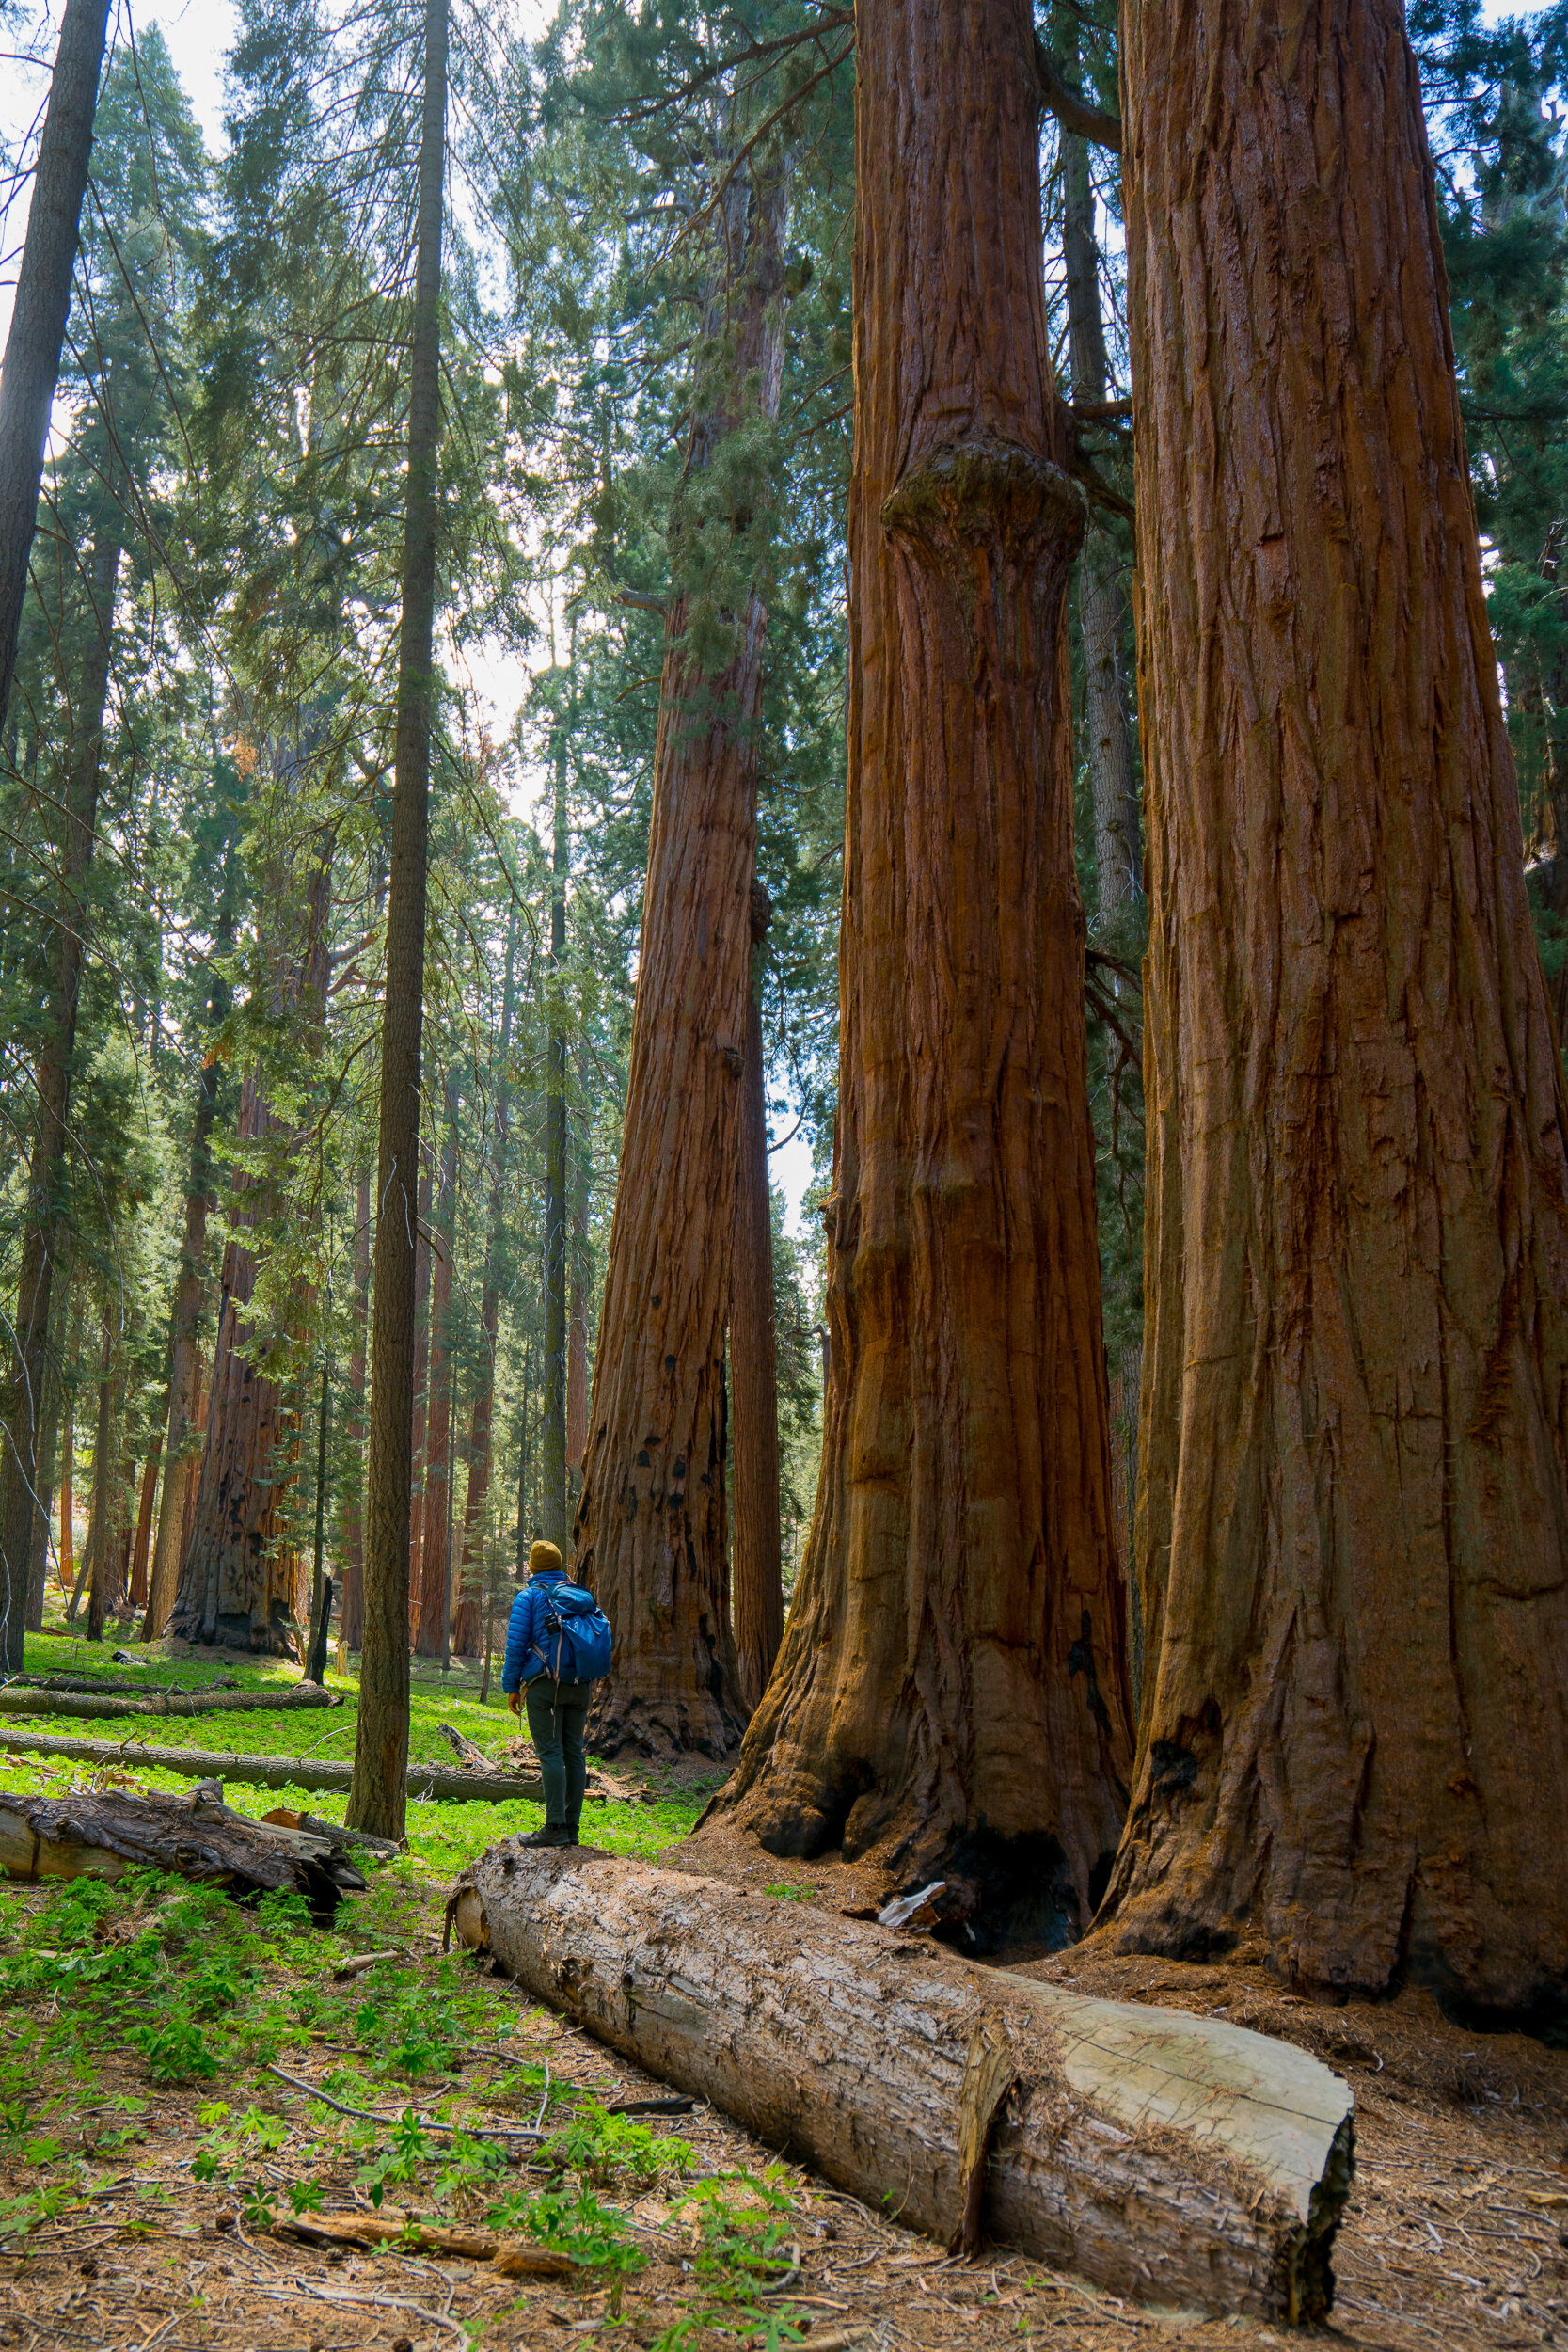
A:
20, 1700
104, 1833
1175, 2158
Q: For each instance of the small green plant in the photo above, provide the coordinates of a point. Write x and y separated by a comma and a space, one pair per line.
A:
176, 2051
744, 2253
589, 2233
601, 2148
782, 1892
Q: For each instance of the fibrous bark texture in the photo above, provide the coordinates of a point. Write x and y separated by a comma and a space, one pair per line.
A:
381, 1742
651, 1534
42, 304
951, 1687
1353, 1517
758, 1569
1172, 2158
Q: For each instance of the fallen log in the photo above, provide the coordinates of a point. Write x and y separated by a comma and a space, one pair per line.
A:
16, 1701
112, 1684
416, 2235
275, 1771
104, 1833
1176, 2158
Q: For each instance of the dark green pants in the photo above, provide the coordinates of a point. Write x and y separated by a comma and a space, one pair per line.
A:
557, 1712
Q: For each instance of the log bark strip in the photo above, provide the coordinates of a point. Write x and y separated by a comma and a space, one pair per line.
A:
282, 1771
105, 1833
25, 1702
1176, 2158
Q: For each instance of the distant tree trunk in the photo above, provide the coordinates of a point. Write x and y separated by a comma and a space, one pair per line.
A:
433, 1573
754, 1364
41, 306
352, 1622
102, 1534
1119, 865
418, 1436
240, 1579
67, 1441
183, 1465
952, 1690
577, 1336
144, 1522
651, 1536
381, 1743
1352, 1509
554, 1513
38, 1574
525, 1463
466, 1616
42, 1221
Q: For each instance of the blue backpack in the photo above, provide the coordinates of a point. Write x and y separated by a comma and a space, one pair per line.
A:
577, 1636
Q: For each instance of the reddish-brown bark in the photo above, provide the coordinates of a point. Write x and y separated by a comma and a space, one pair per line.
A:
651, 1536
351, 1623
758, 1564
239, 1582
144, 1523
952, 1687
1352, 1513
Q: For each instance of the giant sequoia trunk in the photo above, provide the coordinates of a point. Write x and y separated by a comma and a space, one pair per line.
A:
1353, 1517
43, 1218
381, 1740
952, 1687
42, 304
240, 1582
651, 1521
758, 1579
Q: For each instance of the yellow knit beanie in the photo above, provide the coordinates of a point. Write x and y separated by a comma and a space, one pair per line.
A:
541, 1558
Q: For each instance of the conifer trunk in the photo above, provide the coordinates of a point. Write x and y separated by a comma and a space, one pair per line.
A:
42, 1223
38, 1574
577, 1334
465, 1617
351, 1625
759, 1574
102, 1534
144, 1522
419, 1436
952, 1693
377, 1799
554, 1513
431, 1640
42, 303
1117, 863
651, 1534
1352, 1513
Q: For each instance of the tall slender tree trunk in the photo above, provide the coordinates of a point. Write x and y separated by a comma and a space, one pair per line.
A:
952, 1690
144, 1522
418, 1436
555, 1177
381, 1743
240, 1578
434, 1577
351, 1625
1119, 865
182, 1468
41, 306
753, 1363
1352, 1511
38, 1574
651, 1534
466, 1616
102, 1534
43, 1218
68, 1438
577, 1333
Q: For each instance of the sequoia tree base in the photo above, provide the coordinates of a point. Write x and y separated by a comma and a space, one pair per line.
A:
1175, 2158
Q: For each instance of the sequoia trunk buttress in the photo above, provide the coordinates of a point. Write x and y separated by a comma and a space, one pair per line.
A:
651, 1534
1352, 1513
376, 1801
758, 1578
952, 1691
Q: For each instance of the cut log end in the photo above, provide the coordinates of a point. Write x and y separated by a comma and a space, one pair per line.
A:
1173, 2158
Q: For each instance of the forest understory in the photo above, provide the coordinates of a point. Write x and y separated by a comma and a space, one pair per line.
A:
152, 2165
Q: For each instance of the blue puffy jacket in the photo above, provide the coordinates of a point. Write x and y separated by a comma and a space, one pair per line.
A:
526, 1628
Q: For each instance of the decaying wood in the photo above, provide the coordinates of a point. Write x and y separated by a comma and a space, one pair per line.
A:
111, 1684
15, 1701
1176, 2158
103, 1834
314, 1826
279, 1772
416, 2234
471, 1757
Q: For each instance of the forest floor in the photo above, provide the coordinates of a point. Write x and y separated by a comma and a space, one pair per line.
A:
153, 2153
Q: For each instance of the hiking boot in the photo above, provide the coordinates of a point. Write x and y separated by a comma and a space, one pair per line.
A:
547, 1837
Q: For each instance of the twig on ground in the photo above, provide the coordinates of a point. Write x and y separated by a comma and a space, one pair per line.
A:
426, 2123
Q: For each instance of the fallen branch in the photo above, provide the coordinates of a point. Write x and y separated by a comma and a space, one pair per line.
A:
110, 1684
103, 1834
416, 2235
15, 1700
276, 1771
426, 2123
1175, 2158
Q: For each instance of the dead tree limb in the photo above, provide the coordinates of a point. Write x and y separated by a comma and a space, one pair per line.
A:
278, 1772
21, 1701
1171, 2157
103, 1834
